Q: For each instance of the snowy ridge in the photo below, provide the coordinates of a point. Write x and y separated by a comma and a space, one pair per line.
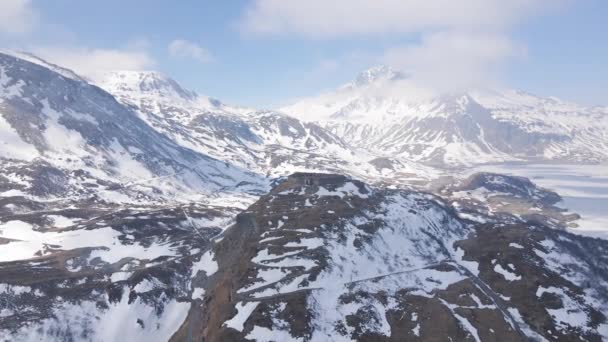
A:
102, 218
386, 114
88, 144
267, 142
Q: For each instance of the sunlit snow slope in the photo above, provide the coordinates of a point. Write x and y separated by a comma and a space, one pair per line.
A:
63, 137
264, 141
384, 112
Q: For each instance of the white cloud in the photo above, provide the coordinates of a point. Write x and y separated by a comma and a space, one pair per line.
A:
330, 19
180, 48
16, 16
463, 43
450, 61
93, 63
20, 16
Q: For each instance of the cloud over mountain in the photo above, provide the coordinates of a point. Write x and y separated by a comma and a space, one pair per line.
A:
466, 42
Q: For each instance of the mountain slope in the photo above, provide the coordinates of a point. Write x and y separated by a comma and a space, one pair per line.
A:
87, 143
323, 257
264, 141
103, 220
387, 114
320, 257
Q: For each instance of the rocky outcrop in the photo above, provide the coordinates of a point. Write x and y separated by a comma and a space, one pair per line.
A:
324, 257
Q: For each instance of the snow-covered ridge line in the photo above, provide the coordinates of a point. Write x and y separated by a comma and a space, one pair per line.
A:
264, 141
74, 140
386, 114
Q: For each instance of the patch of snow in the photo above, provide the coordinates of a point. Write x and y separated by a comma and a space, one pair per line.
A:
472, 266
348, 189
12, 145
106, 241
198, 293
116, 323
244, 310
268, 276
205, 264
508, 275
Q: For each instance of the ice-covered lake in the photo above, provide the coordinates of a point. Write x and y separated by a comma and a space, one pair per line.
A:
584, 189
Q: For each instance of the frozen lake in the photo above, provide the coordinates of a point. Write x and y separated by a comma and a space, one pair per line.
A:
584, 189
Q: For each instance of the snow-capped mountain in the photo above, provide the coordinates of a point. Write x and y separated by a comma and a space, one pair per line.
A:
103, 220
385, 113
63, 137
264, 141
138, 210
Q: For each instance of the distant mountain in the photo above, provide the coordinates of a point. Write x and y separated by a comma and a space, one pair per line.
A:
383, 112
263, 141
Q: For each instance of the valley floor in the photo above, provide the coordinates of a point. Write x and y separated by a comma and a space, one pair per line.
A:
584, 189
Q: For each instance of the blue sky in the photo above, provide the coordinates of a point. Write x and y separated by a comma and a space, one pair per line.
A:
265, 53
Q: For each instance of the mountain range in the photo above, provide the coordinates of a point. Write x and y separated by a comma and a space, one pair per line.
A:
387, 114
134, 209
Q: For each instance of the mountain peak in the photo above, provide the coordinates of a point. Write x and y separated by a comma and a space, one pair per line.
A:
146, 82
377, 74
